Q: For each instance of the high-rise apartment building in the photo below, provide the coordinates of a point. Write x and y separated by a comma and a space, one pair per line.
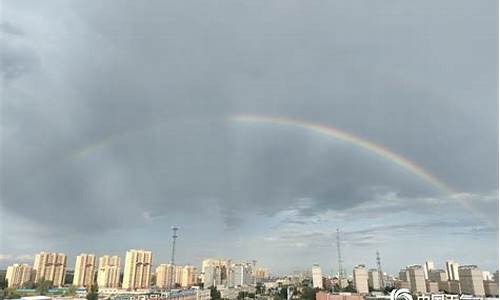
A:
50, 266
452, 270
241, 274
428, 266
108, 275
438, 275
215, 271
471, 280
84, 270
317, 276
189, 276
374, 279
417, 279
360, 279
18, 274
137, 271
166, 276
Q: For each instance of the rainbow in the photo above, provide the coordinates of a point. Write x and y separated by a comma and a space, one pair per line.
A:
372, 147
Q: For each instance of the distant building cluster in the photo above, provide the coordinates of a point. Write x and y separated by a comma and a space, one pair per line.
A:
219, 272
420, 279
138, 274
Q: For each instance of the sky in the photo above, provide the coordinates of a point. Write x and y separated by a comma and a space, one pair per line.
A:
119, 120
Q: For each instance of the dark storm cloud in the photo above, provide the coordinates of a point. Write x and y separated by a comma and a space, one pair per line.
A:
18, 56
118, 115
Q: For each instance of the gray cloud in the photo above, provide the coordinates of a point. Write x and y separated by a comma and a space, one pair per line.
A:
116, 118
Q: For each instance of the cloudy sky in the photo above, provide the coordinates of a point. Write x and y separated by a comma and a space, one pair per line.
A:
117, 121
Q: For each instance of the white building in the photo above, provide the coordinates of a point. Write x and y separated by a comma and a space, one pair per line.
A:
317, 276
360, 279
452, 270
428, 266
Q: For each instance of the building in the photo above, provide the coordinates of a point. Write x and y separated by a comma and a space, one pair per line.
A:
321, 295
491, 288
360, 279
374, 279
495, 276
438, 275
84, 270
471, 280
215, 271
417, 279
403, 275
487, 276
137, 272
50, 266
241, 274
428, 266
189, 276
108, 274
167, 276
452, 270
17, 275
317, 276
432, 286
261, 274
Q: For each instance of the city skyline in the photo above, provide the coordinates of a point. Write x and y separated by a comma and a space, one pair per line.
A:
258, 128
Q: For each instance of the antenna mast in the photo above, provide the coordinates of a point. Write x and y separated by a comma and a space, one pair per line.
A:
380, 273
341, 269
172, 259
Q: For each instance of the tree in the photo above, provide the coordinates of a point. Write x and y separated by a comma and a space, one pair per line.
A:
93, 293
4, 283
308, 293
350, 288
71, 291
214, 293
43, 286
29, 285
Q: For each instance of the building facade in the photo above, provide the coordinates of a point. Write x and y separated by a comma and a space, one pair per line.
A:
438, 275
18, 274
428, 266
452, 270
108, 274
374, 279
215, 271
84, 270
137, 271
471, 280
417, 279
360, 279
50, 266
317, 276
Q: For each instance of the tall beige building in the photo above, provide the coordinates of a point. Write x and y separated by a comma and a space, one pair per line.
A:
189, 276
417, 279
18, 274
317, 276
137, 270
428, 266
360, 279
452, 270
167, 276
50, 266
108, 275
84, 270
374, 279
471, 280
